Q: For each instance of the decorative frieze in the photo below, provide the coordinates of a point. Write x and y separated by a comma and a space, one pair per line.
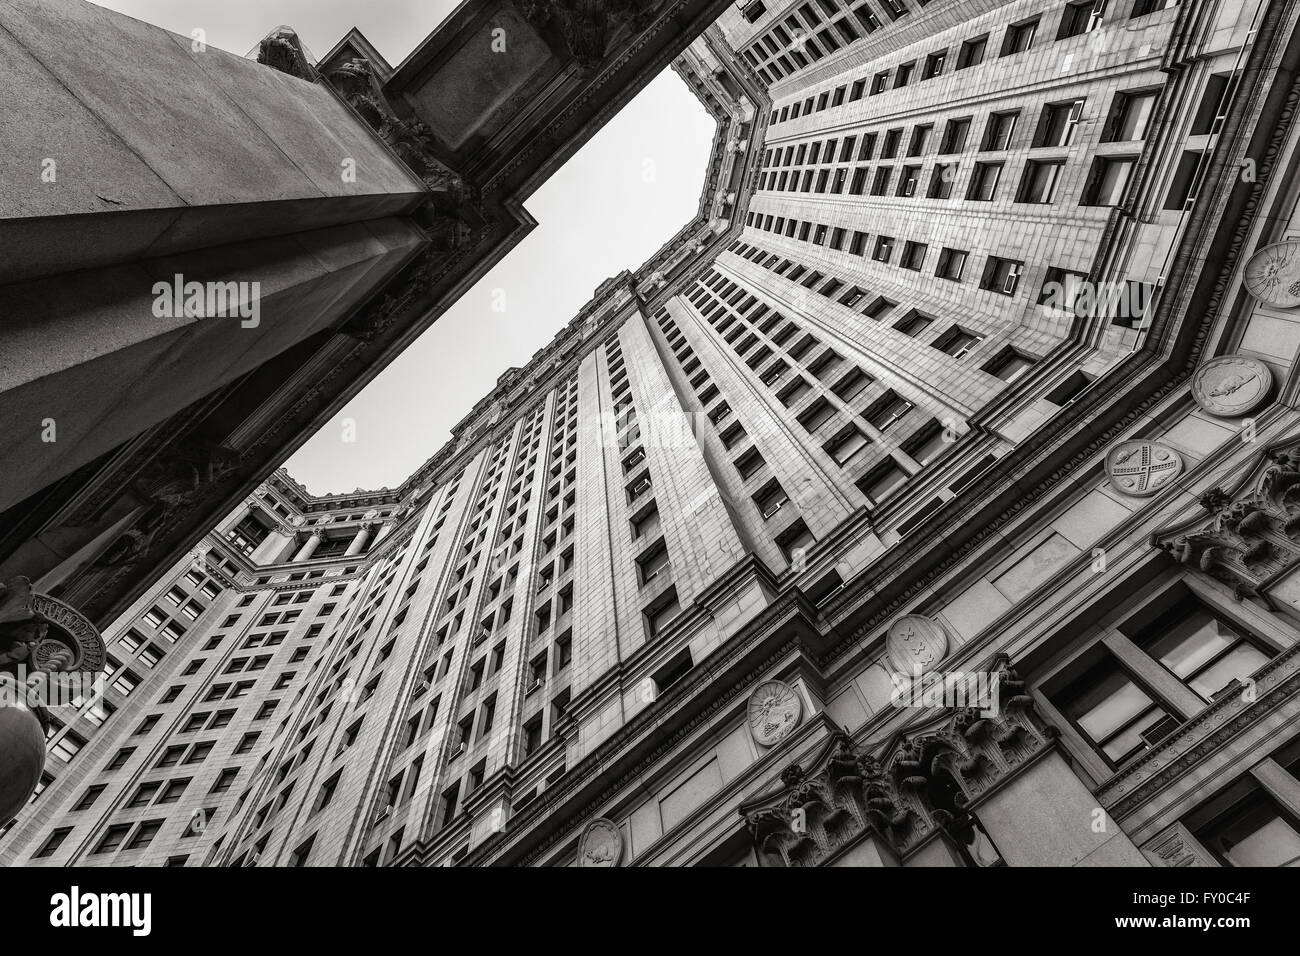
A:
1252, 535
920, 781
1175, 846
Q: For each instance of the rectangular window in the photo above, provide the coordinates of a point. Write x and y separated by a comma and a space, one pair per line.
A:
1058, 124
1130, 117
972, 52
913, 255
952, 263
1019, 37
1082, 16
955, 134
1002, 275
1108, 180
1000, 130
770, 499
1040, 181
984, 182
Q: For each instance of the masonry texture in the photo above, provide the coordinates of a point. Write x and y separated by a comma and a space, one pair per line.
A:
654, 602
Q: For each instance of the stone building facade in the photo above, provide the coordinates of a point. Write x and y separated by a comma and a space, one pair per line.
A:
928, 501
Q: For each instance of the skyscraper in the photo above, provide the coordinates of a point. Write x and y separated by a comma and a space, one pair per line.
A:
926, 501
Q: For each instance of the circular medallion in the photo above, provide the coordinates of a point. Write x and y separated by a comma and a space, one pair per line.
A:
915, 644
72, 643
601, 844
1232, 386
1273, 275
773, 712
1141, 468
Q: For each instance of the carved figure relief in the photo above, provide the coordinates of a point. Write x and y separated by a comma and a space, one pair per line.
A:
1251, 536
1273, 275
903, 790
773, 712
1232, 385
601, 844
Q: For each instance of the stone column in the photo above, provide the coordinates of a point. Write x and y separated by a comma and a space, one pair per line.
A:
359, 541
271, 550
309, 546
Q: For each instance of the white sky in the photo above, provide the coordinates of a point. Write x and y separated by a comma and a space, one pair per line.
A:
609, 208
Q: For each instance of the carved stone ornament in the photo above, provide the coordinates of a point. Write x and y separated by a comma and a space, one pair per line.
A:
283, 51
1252, 535
773, 712
601, 844
915, 644
904, 789
1232, 386
1141, 468
1273, 275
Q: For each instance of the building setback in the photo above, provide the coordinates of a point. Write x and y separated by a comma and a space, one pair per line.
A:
978, 364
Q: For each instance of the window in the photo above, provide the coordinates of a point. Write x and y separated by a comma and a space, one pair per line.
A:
1186, 181
1009, 365
1107, 180
847, 444
929, 443
889, 147
67, 747
144, 794
1205, 652
1002, 275
770, 499
172, 792
934, 64
674, 670
882, 481
913, 255
957, 341
907, 181
952, 263
955, 134
1040, 181
1000, 130
984, 182
52, 843
658, 616
1081, 17
884, 249
113, 838
794, 538
1251, 829
89, 797
1058, 124
1114, 712
652, 563
941, 179
145, 834
972, 52
913, 323
1130, 117
1019, 37
887, 410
